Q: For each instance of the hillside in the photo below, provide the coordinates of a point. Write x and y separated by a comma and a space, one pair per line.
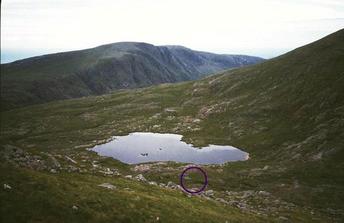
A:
104, 69
288, 113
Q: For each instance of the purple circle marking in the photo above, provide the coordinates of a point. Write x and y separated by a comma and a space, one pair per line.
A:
204, 184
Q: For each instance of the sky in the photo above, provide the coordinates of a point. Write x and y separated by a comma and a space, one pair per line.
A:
265, 28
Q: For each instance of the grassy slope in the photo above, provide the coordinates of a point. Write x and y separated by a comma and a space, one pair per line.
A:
287, 112
41, 197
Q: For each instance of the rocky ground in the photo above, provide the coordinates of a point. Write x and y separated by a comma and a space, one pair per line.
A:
260, 202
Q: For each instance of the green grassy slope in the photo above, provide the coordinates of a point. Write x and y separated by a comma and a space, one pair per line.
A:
288, 113
45, 197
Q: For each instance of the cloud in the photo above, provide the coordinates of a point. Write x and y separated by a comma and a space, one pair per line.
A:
257, 27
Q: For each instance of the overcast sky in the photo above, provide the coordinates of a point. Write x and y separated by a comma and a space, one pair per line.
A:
265, 28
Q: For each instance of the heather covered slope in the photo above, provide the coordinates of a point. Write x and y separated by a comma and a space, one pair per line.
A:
104, 69
288, 113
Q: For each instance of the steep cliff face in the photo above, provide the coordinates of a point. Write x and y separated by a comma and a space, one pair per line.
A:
106, 68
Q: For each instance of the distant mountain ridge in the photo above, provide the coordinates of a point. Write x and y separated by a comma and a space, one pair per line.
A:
106, 68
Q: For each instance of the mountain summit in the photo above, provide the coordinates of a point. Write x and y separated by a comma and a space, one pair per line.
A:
106, 68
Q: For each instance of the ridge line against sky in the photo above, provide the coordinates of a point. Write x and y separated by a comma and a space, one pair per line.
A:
264, 28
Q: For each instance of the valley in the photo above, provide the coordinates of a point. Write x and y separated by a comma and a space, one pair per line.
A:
287, 113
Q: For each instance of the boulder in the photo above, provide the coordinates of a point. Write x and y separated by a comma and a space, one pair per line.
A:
72, 169
209, 193
142, 167
71, 160
156, 126
196, 120
170, 110
221, 200
153, 183
141, 178
7, 187
283, 219
171, 184
54, 163
247, 193
107, 186
264, 193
